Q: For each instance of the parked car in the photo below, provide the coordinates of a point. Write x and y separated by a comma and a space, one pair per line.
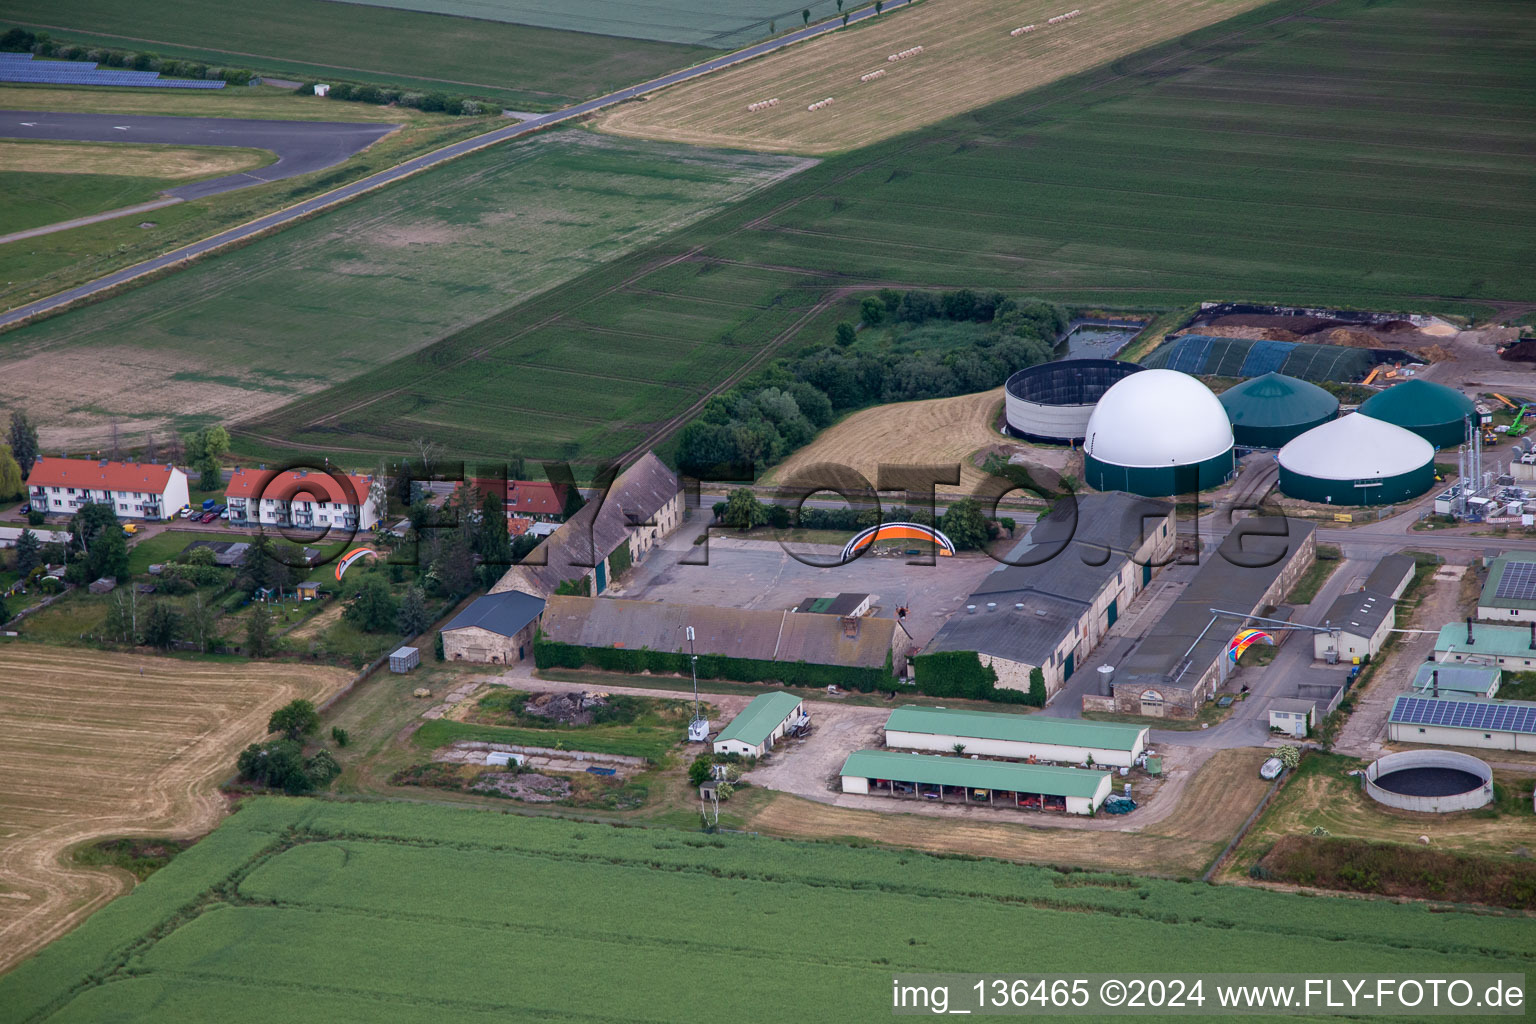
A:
129, 529
1271, 768
25, 509
207, 517
224, 514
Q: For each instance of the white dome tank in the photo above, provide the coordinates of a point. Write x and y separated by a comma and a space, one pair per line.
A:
1158, 432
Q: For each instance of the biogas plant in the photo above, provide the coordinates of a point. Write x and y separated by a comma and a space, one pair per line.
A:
1158, 432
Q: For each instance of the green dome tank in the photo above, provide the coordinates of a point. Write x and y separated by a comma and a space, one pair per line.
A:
1270, 411
1433, 411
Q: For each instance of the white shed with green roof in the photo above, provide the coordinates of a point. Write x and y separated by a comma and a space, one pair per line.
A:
963, 780
996, 734
769, 716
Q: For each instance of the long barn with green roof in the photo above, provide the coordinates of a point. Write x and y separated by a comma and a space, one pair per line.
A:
1016, 736
962, 780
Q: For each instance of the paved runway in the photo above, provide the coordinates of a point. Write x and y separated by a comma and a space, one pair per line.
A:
301, 146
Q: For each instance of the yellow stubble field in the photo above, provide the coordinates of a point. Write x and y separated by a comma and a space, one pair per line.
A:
968, 60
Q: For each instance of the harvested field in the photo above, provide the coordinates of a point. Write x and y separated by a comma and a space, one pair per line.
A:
968, 60
939, 430
101, 744
1215, 802
169, 162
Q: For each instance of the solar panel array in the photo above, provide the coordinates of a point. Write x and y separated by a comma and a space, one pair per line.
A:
1518, 583
1464, 714
19, 67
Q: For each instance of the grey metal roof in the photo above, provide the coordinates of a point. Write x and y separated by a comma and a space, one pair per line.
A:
1079, 548
506, 613
1292, 704
1359, 613
1247, 563
761, 634
597, 530
1390, 573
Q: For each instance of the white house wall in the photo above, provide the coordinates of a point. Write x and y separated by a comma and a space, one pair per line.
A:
1447, 737
1013, 749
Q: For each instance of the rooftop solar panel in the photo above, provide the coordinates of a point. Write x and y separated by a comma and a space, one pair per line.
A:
1465, 714
1518, 582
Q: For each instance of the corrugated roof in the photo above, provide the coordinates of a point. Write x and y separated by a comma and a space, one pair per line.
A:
1234, 578
1457, 678
993, 725
758, 634
347, 488
92, 474
1091, 541
596, 531
1359, 613
938, 770
506, 613
760, 718
1492, 641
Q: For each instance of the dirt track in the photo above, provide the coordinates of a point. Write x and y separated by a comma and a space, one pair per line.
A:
100, 744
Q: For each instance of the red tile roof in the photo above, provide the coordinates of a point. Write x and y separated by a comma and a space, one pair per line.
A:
528, 497
310, 485
95, 475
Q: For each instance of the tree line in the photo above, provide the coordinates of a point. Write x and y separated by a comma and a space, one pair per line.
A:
781, 408
19, 40
432, 102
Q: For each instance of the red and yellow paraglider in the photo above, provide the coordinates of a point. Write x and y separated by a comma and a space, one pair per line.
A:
351, 556
1245, 639
896, 531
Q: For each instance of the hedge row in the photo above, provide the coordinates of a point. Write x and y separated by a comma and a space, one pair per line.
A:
19, 40
549, 654
436, 102
961, 674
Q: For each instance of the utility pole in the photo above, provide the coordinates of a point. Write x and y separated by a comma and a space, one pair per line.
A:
698, 728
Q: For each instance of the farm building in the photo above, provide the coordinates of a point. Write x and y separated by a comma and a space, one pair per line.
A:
1512, 648
840, 604
1244, 357
1457, 682
1363, 620
1356, 460
1020, 737
304, 498
135, 490
963, 780
1158, 433
758, 635
1295, 716
9, 535
611, 532
497, 629
1178, 665
1509, 595
1435, 412
1052, 401
1273, 410
753, 731
1496, 725
1391, 576
1072, 576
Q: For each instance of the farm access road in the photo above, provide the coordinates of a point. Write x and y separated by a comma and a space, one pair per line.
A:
281, 218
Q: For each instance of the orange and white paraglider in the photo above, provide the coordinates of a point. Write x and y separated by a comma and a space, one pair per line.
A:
896, 531
347, 559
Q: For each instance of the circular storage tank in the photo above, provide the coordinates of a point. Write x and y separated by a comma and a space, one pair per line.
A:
1053, 401
1433, 411
1431, 781
1357, 460
1156, 433
1269, 411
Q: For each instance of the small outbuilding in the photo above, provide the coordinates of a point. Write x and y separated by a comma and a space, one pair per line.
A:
770, 715
1363, 620
1021, 737
1294, 716
1391, 576
1511, 648
497, 629
105, 585
404, 659
1509, 595
964, 780
1457, 682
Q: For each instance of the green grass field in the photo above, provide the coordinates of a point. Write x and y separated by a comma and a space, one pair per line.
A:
296, 909
1365, 154
373, 281
163, 547
32, 200
719, 23
522, 66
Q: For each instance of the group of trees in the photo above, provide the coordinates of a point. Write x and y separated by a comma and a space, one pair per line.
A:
17, 456
204, 449
436, 102
964, 521
19, 40
280, 763
781, 408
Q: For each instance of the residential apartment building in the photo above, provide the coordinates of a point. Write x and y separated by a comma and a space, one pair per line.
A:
302, 499
135, 490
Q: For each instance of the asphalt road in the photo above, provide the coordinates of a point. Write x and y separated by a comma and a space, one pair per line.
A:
172, 259
301, 146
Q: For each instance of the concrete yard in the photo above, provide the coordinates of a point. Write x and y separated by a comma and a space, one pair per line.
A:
761, 574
